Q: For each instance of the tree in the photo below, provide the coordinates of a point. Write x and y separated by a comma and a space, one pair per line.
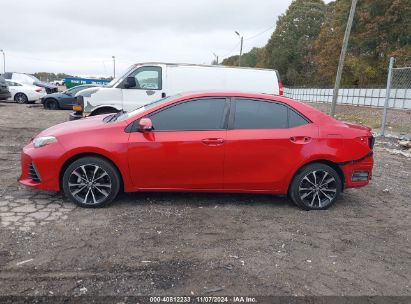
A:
247, 59
290, 48
381, 29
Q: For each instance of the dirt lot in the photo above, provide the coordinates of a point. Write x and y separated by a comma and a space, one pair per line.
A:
191, 244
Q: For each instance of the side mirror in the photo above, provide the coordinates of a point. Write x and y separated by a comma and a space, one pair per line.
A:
130, 82
145, 125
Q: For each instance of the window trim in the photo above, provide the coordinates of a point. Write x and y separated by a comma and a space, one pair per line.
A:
223, 123
289, 108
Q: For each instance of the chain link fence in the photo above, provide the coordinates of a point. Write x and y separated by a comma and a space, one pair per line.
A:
398, 86
369, 97
367, 105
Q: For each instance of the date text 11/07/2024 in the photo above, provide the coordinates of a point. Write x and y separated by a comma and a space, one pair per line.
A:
204, 299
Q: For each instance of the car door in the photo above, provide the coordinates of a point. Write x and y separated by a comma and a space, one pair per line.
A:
67, 99
13, 88
148, 87
265, 140
185, 150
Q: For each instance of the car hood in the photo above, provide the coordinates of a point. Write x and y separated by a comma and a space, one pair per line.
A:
76, 126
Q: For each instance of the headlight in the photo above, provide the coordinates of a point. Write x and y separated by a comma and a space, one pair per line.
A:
43, 141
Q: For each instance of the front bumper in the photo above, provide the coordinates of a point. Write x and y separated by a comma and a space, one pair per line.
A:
352, 169
75, 115
40, 167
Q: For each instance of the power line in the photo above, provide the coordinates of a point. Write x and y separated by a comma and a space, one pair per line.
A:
235, 47
246, 39
256, 35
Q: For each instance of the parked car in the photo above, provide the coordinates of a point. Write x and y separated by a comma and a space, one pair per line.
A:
4, 90
208, 142
58, 82
30, 79
64, 100
146, 82
25, 93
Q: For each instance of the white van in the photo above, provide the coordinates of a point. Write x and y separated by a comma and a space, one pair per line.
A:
147, 82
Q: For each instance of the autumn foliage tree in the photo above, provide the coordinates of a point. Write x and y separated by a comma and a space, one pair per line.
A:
306, 44
381, 29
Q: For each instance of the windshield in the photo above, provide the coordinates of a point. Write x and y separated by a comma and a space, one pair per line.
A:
115, 81
111, 83
146, 107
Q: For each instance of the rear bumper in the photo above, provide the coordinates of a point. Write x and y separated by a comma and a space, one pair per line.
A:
363, 165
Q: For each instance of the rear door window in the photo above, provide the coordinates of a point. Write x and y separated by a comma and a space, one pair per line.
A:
258, 114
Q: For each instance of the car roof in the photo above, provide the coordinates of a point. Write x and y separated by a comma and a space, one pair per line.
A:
201, 65
84, 85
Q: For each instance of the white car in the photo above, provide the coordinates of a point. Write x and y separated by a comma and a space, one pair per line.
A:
25, 93
58, 82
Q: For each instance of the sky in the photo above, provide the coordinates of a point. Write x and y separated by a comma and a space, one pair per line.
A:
79, 37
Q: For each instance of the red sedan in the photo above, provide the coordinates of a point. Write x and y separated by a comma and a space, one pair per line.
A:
206, 142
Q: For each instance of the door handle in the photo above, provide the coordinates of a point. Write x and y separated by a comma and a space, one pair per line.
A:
213, 141
300, 139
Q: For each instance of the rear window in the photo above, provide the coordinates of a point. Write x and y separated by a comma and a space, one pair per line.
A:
260, 114
255, 114
295, 119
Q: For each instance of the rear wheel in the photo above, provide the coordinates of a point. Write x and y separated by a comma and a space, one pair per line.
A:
51, 104
21, 98
91, 182
315, 187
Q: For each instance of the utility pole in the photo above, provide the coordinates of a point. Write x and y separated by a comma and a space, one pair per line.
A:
342, 56
114, 66
241, 47
216, 58
387, 96
4, 61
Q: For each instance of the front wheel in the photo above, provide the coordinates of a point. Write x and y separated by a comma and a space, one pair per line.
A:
91, 182
315, 187
51, 104
21, 98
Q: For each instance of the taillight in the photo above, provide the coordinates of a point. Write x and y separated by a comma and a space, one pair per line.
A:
280, 88
38, 90
371, 142
367, 140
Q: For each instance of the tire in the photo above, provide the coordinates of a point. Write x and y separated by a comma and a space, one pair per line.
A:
103, 111
91, 182
315, 187
21, 98
51, 104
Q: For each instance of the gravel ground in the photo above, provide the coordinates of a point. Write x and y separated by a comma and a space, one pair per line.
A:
200, 244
